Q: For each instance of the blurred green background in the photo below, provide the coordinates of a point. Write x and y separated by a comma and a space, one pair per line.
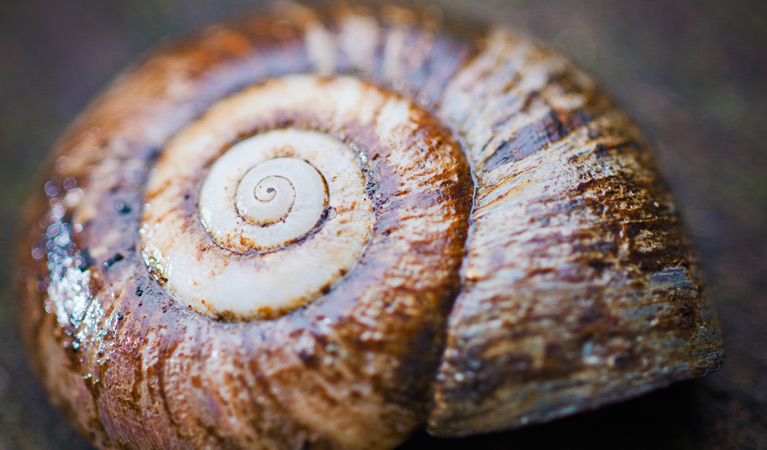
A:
692, 73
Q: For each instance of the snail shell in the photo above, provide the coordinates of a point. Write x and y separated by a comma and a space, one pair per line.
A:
329, 228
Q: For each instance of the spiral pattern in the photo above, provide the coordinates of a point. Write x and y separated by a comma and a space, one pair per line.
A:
234, 267
326, 229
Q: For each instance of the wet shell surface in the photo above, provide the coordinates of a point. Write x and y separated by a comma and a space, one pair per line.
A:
330, 228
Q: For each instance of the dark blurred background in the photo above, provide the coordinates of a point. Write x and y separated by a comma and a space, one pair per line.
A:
693, 73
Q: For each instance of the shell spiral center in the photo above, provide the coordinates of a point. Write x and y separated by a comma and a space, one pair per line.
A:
272, 204
274, 197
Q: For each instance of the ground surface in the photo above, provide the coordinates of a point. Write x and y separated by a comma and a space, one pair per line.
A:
692, 73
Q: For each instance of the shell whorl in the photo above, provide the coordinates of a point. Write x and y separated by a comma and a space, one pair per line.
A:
223, 264
330, 228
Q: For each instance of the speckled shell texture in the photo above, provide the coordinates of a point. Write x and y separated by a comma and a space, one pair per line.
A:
526, 261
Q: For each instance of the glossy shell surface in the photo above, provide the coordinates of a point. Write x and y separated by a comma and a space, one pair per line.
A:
488, 242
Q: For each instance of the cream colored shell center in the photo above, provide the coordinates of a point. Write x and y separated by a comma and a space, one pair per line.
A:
269, 202
248, 204
281, 216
